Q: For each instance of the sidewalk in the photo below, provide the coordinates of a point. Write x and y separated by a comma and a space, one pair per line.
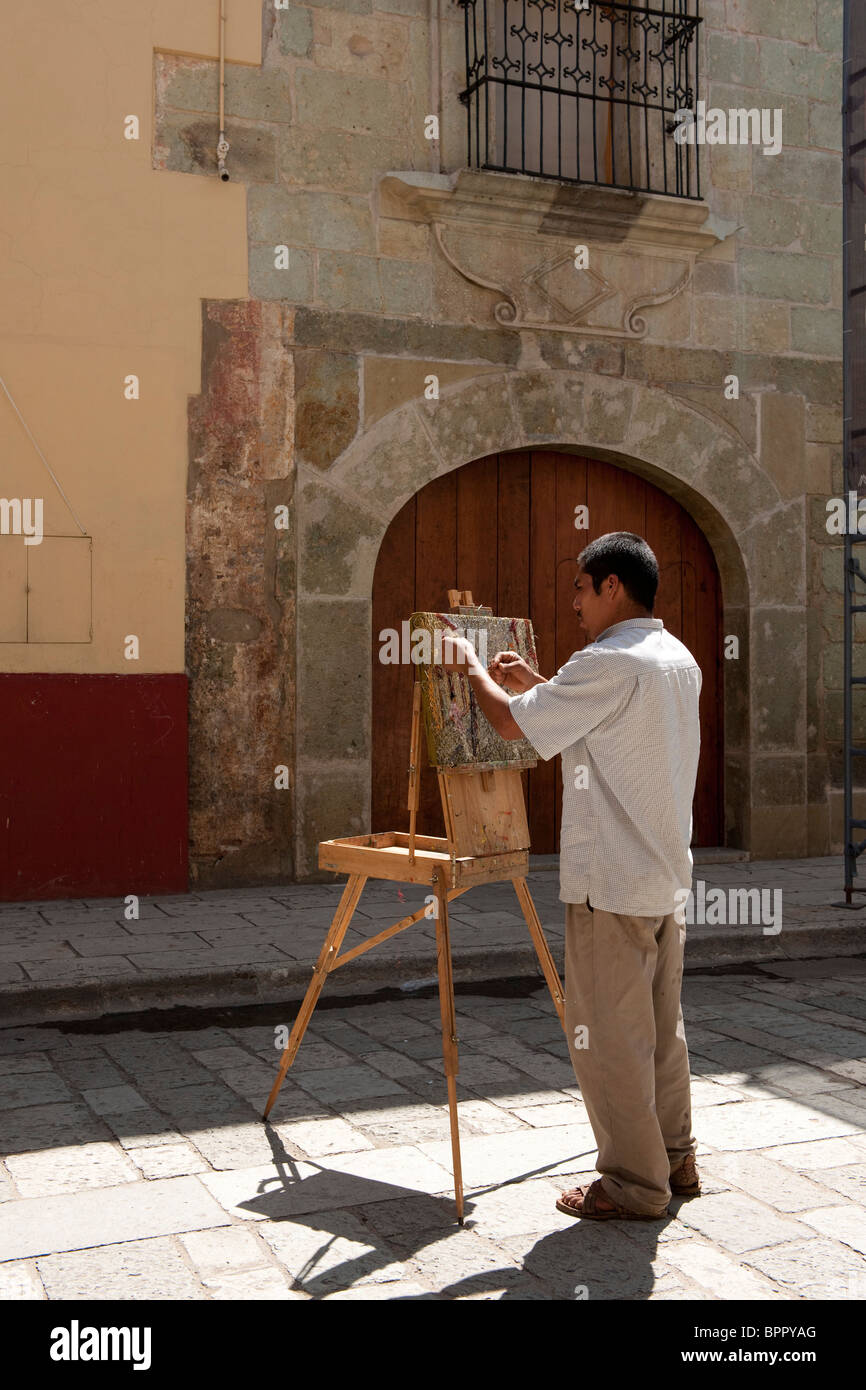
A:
82, 959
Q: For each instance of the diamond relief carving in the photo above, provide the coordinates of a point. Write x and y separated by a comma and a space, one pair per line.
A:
603, 299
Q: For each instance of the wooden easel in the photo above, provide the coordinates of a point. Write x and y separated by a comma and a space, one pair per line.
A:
487, 841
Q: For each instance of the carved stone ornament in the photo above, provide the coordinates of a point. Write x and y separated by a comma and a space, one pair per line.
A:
560, 257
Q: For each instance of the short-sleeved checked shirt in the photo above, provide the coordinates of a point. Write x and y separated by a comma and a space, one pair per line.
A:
625, 710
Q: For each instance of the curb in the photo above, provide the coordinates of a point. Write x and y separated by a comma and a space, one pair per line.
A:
269, 984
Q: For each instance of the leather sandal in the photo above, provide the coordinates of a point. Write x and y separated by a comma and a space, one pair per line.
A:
583, 1201
686, 1181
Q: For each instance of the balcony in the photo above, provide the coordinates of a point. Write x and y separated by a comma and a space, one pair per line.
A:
583, 95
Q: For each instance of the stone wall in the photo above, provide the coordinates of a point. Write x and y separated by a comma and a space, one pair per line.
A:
241, 598
396, 271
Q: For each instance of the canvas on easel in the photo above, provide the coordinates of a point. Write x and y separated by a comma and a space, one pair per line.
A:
458, 734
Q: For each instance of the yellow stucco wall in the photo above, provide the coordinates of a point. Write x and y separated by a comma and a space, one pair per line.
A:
104, 262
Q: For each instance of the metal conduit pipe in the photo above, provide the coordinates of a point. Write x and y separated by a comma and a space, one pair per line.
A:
222, 144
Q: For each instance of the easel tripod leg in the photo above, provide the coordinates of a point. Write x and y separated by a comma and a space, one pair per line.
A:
328, 954
542, 950
449, 1033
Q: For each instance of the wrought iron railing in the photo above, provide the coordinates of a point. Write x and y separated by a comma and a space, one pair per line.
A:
585, 95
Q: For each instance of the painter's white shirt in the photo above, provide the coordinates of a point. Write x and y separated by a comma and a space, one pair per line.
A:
626, 709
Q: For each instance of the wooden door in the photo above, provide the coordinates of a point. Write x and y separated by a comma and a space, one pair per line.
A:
504, 527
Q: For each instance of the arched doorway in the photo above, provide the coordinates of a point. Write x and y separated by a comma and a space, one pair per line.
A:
504, 527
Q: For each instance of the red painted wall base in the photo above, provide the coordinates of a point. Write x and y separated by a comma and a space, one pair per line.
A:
93, 786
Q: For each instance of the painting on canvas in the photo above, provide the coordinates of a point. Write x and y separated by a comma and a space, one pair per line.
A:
458, 734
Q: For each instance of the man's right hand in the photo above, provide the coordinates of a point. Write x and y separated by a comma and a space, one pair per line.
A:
514, 674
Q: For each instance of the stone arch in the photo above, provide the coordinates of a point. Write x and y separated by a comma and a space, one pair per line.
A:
343, 513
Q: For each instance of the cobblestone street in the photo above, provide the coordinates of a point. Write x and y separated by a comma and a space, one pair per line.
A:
137, 1165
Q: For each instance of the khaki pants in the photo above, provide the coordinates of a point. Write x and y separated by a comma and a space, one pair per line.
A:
622, 987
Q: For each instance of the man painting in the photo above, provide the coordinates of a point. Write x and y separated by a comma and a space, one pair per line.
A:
623, 712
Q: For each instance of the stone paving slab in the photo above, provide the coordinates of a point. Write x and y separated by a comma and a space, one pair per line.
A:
137, 1269
137, 1166
85, 959
104, 1216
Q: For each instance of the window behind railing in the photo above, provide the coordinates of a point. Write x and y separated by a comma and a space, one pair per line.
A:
583, 95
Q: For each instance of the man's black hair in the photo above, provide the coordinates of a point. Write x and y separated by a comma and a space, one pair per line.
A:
628, 557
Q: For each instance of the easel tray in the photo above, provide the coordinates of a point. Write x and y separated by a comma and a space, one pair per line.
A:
387, 855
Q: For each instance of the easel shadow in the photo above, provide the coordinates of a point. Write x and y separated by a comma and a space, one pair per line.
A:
585, 1261
298, 1195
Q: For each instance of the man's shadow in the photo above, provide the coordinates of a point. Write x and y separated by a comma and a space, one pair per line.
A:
389, 1225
